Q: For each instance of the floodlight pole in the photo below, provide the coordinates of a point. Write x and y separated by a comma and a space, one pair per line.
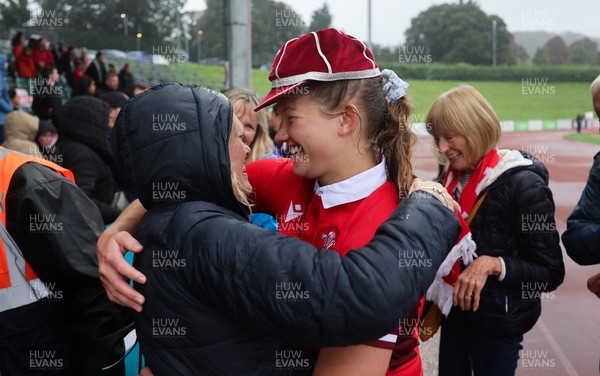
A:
238, 26
494, 23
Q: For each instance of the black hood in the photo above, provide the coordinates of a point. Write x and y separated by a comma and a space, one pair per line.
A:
85, 120
171, 143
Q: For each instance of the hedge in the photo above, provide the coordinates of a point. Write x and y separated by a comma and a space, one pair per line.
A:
467, 72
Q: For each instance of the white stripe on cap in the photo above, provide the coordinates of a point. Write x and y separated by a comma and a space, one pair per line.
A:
321, 53
365, 52
281, 58
323, 76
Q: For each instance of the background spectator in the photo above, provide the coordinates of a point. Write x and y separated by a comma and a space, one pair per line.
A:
25, 64
46, 138
85, 86
18, 43
115, 100
14, 98
42, 56
82, 143
6, 105
111, 83
83, 56
135, 89
66, 64
112, 69
97, 70
47, 96
256, 128
125, 78
21, 130
57, 52
79, 72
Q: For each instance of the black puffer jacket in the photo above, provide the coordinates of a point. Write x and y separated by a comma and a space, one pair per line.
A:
225, 297
94, 325
83, 149
582, 238
516, 222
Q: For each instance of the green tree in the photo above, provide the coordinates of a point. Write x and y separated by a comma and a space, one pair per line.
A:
273, 23
321, 19
98, 25
385, 54
540, 57
212, 24
460, 33
583, 52
517, 50
14, 13
556, 51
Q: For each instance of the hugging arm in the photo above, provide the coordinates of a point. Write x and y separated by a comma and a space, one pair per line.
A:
284, 287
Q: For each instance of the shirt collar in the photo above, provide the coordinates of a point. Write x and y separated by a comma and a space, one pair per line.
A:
352, 189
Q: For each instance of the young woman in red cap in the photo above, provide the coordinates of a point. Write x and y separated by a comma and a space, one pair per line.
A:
346, 126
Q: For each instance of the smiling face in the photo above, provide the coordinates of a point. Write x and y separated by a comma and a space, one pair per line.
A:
312, 138
249, 119
456, 149
238, 153
464, 126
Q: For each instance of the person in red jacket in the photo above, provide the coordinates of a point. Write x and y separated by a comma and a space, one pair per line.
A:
18, 43
42, 55
25, 64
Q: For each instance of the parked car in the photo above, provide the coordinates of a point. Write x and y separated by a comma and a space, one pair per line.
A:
115, 55
141, 56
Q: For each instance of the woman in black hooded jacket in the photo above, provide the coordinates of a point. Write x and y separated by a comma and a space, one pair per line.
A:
226, 297
83, 148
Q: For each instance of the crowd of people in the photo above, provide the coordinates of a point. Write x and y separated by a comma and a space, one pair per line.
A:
233, 206
75, 134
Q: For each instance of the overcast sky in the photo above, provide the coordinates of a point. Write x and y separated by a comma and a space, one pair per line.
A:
392, 17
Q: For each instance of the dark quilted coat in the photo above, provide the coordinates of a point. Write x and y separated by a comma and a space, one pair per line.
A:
516, 222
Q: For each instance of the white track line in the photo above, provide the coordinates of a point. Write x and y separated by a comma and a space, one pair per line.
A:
561, 355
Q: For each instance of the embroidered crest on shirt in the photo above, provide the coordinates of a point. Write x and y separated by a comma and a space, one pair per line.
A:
328, 236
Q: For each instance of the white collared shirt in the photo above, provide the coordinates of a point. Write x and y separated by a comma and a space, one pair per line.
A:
354, 188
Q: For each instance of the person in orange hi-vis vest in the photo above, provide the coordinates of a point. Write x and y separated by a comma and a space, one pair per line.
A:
49, 285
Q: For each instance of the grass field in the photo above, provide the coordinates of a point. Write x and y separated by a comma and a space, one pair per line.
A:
510, 100
589, 138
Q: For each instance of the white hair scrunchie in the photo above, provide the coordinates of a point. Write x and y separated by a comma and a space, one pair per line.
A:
395, 88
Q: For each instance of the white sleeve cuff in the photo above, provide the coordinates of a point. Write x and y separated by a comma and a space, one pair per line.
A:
503, 272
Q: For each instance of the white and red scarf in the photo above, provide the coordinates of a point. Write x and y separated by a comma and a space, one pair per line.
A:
440, 292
